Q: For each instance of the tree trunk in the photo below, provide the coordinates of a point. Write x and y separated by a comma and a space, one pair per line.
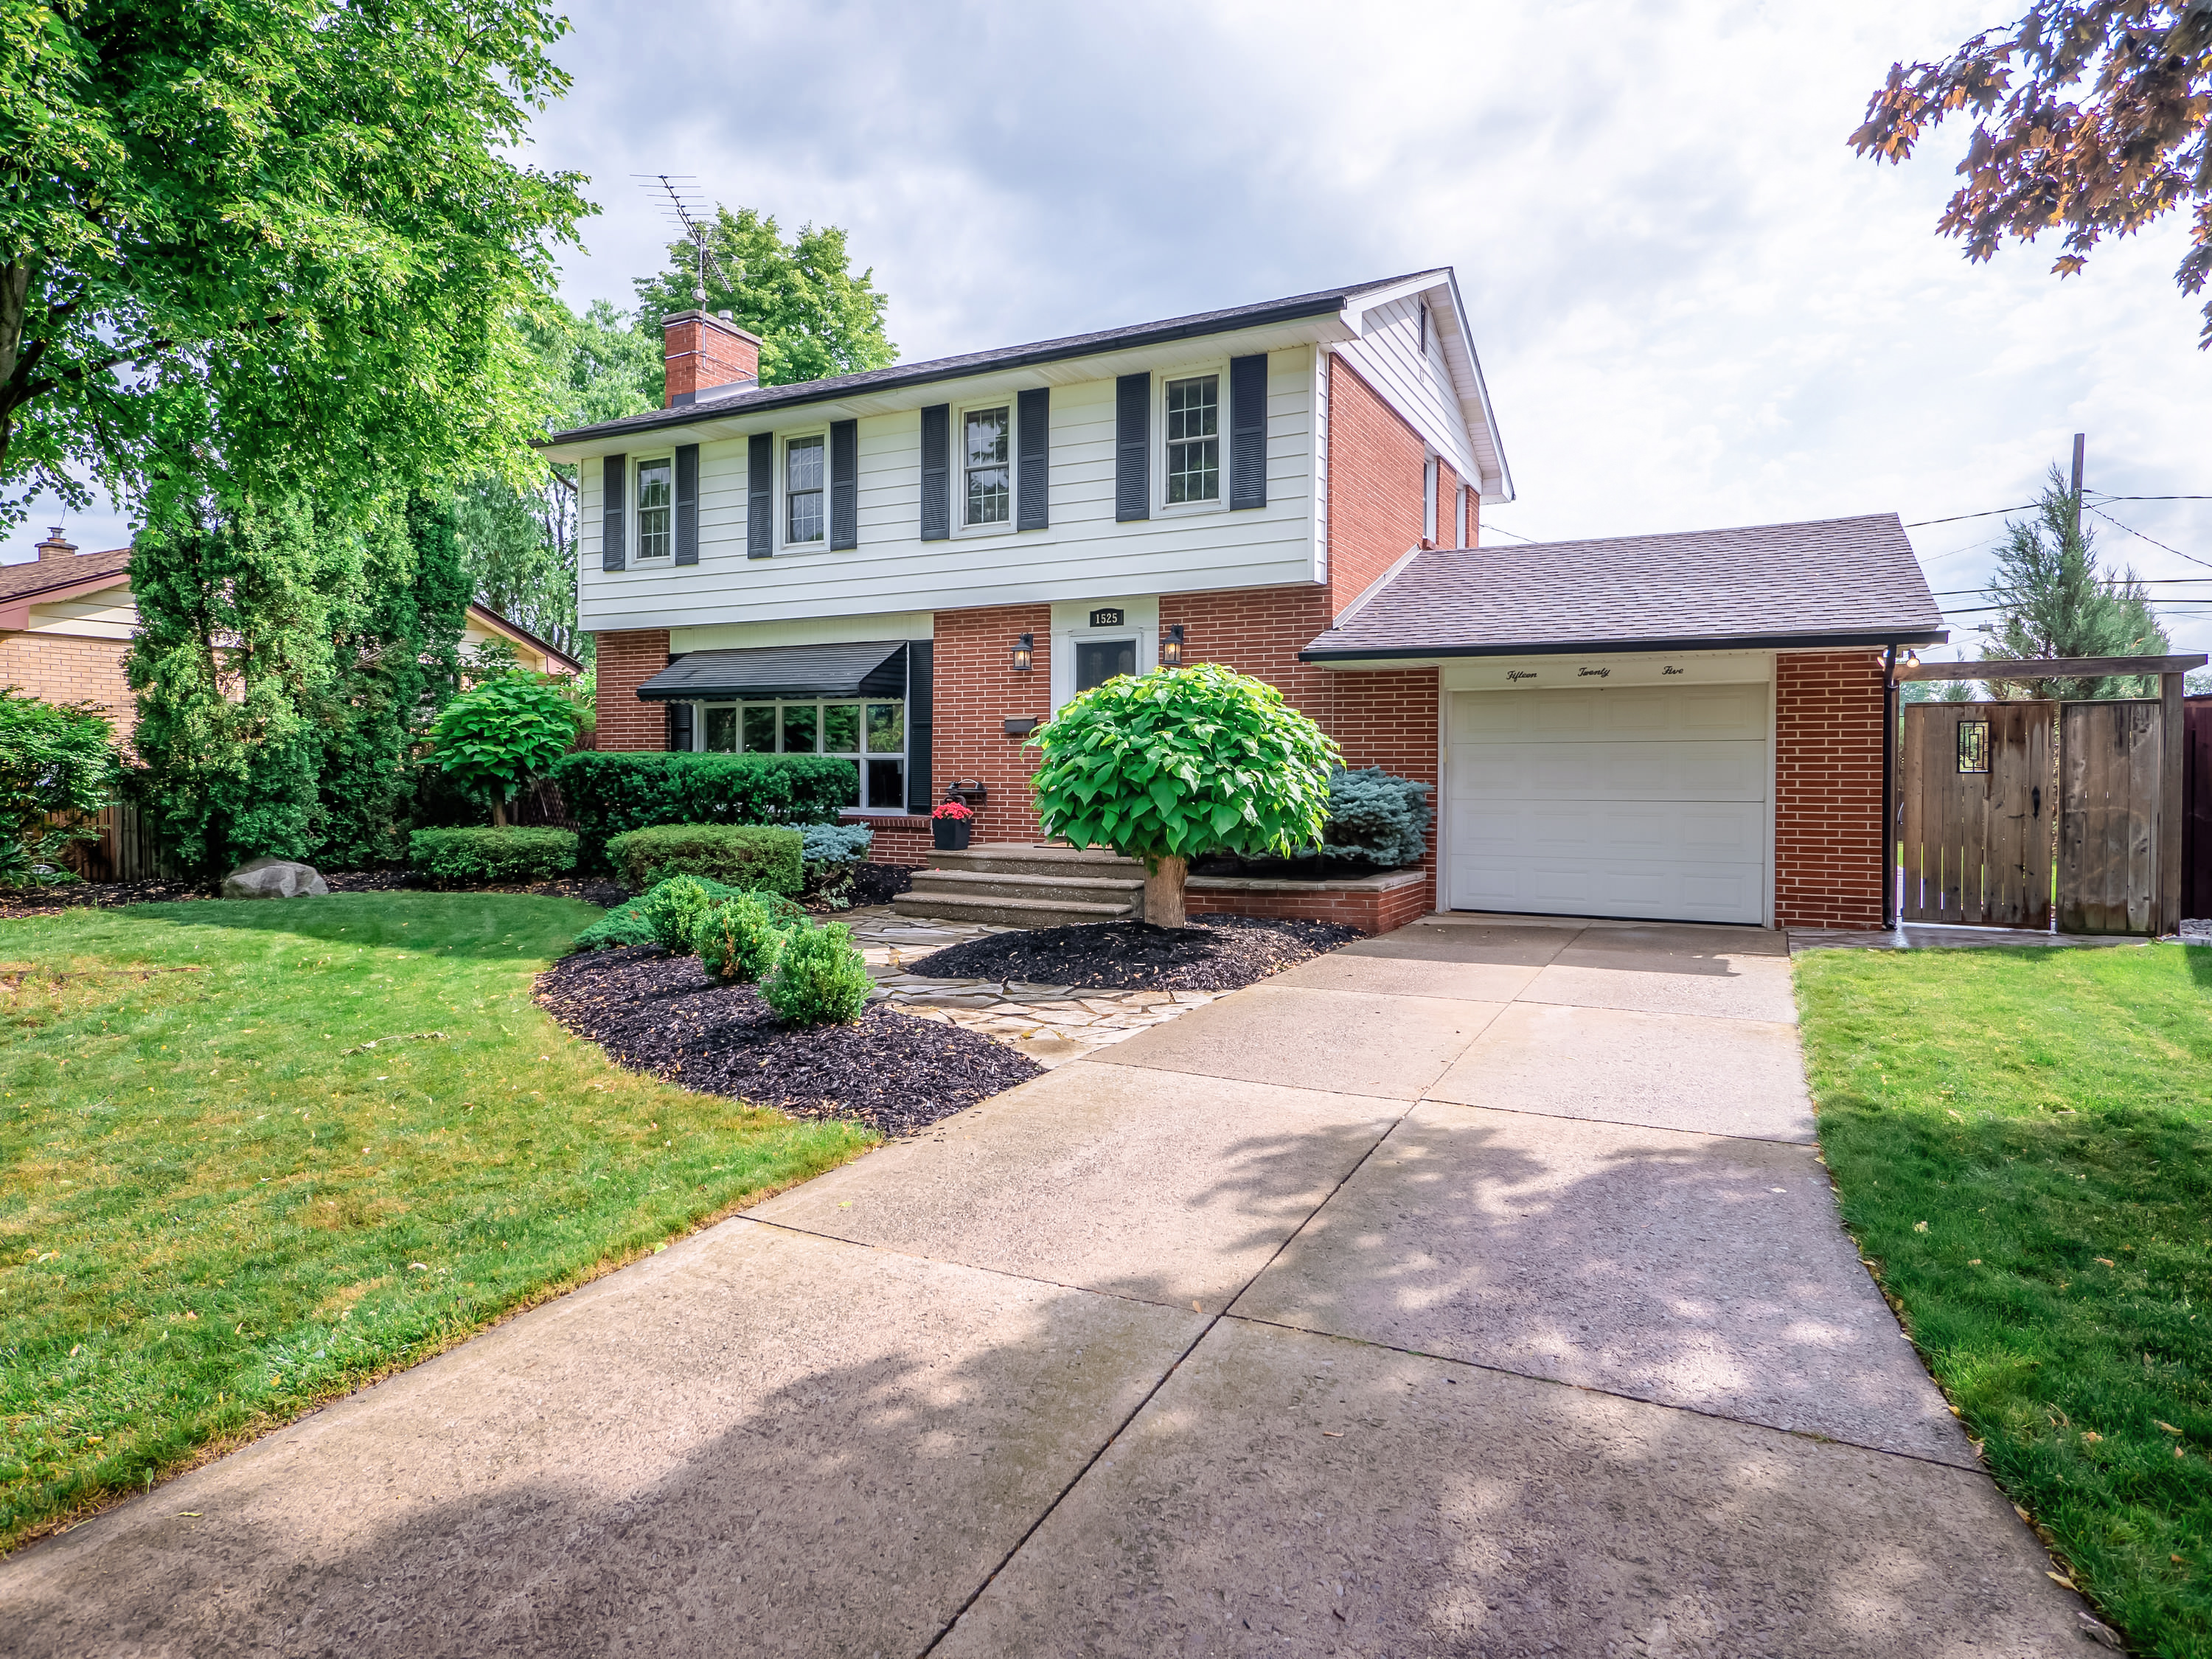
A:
499, 811
1164, 879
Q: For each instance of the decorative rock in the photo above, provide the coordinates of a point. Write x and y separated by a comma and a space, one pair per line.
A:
274, 878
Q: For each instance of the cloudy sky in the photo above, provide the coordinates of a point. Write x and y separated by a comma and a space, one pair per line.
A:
1695, 307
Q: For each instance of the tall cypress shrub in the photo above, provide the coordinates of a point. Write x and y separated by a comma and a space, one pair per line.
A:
233, 666
396, 661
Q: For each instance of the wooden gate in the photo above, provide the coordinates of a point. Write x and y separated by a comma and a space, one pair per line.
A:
1977, 813
2196, 823
2110, 764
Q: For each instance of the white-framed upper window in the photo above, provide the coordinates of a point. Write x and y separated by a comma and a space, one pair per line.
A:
987, 467
806, 490
1190, 407
656, 507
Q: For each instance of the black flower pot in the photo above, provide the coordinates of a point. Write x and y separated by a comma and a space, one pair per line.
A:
951, 835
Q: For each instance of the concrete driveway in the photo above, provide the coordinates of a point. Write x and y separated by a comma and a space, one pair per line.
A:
1474, 1290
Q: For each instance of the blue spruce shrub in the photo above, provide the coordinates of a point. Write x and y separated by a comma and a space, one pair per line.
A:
1376, 817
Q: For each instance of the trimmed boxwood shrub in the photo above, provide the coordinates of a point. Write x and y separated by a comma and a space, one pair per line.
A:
609, 794
672, 910
741, 855
740, 939
629, 923
486, 855
818, 979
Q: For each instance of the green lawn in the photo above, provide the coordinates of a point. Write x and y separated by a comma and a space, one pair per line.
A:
2023, 1142
219, 1207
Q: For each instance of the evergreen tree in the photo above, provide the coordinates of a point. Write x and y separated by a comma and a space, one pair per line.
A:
397, 663
233, 663
2055, 600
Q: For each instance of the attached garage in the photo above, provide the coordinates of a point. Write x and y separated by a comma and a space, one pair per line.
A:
1629, 801
1680, 727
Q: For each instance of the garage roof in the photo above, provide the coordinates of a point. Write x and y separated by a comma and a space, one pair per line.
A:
875, 668
1828, 581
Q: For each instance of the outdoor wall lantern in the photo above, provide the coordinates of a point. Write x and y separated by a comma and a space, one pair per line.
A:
1025, 652
1911, 660
1171, 645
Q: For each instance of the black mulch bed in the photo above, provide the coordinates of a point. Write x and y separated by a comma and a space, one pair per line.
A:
666, 1015
1217, 953
879, 883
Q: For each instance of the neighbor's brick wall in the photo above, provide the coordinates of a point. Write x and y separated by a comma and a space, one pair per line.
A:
974, 691
1374, 462
1827, 790
67, 668
627, 659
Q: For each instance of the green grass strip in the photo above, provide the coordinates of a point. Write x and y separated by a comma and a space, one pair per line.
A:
220, 1206
2023, 1143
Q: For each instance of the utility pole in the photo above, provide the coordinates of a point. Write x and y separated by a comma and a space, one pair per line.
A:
2080, 445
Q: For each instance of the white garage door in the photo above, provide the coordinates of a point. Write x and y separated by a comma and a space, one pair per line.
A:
1637, 801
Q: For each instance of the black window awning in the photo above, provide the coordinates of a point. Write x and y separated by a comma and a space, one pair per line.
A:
875, 668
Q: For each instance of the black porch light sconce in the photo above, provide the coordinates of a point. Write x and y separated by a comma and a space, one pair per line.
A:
1025, 653
1171, 645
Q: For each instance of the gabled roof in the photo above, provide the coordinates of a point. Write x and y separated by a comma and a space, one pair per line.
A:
749, 400
20, 582
1828, 581
513, 630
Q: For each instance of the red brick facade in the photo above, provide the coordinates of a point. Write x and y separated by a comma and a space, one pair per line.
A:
1827, 790
627, 660
1369, 912
974, 692
1374, 466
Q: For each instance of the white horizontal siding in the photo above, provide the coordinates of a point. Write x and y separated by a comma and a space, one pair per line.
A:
1388, 356
109, 614
1084, 552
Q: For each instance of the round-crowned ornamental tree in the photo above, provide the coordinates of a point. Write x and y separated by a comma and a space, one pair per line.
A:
497, 736
1168, 766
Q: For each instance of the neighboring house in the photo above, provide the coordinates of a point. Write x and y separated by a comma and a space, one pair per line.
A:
912, 565
66, 621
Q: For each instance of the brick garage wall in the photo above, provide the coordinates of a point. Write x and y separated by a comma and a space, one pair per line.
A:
974, 691
627, 660
67, 668
1385, 718
1827, 790
1374, 463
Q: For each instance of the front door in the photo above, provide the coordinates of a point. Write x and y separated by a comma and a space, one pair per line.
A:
1097, 662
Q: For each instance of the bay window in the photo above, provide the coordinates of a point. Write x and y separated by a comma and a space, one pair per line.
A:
871, 734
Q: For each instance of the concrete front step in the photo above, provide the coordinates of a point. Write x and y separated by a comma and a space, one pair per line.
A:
1005, 912
1015, 858
991, 884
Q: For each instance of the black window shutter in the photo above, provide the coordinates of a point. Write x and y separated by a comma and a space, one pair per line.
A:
612, 518
918, 790
1033, 480
687, 503
937, 472
1248, 431
679, 727
1133, 447
760, 496
844, 484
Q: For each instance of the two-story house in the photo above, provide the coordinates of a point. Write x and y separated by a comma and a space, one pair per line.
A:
912, 565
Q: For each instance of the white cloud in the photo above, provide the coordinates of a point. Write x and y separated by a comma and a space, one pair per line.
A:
1695, 306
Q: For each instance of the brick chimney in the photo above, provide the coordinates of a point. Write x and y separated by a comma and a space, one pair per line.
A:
55, 547
703, 354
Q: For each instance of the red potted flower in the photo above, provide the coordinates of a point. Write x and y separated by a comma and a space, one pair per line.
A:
950, 826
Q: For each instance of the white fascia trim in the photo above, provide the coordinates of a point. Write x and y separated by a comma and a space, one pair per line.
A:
1374, 587
1474, 400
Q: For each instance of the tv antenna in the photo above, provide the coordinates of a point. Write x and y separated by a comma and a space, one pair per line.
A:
687, 211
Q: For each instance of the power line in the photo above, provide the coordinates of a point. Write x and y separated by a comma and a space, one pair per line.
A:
2103, 497
1958, 517
2152, 540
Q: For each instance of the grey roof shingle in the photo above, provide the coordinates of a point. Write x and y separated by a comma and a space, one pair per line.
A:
1829, 580
875, 668
985, 362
